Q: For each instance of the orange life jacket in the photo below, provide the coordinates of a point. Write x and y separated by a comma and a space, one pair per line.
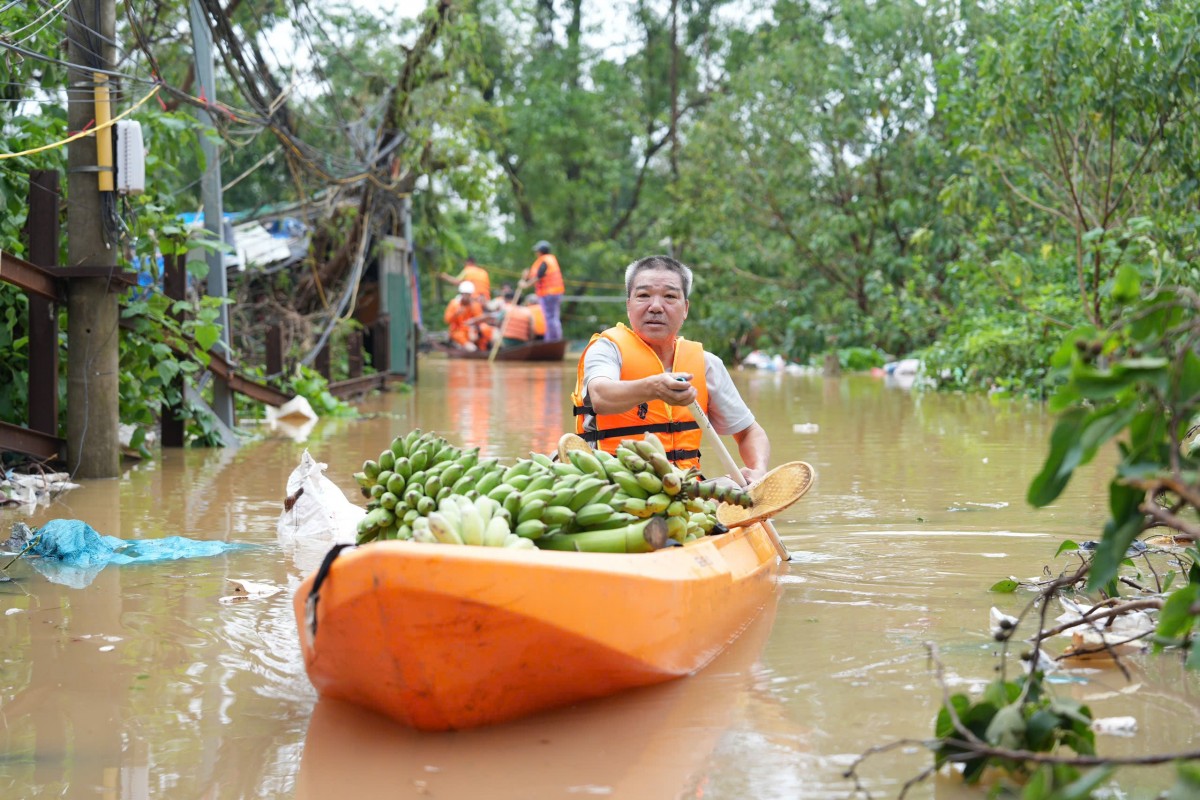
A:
518, 323
539, 320
673, 425
478, 276
552, 281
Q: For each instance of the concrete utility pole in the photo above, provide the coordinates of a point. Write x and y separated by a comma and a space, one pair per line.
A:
93, 371
210, 197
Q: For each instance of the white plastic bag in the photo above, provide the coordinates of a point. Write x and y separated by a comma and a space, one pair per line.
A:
319, 515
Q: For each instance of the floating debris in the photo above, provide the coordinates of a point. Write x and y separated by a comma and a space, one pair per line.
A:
1115, 726
33, 488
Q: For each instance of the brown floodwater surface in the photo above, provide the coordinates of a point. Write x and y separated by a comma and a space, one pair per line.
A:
148, 684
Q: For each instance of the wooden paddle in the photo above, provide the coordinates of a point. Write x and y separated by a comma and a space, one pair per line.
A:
734, 471
500, 327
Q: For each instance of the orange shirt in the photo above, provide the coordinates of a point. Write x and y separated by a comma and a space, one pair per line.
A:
458, 313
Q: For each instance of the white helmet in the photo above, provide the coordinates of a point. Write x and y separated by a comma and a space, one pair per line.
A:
466, 287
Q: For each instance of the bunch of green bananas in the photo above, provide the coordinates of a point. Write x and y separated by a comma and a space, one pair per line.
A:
653, 501
461, 520
410, 478
635, 501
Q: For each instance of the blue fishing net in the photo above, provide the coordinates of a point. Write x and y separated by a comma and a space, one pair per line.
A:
71, 552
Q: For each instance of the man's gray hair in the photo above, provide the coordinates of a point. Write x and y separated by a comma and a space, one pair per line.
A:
659, 262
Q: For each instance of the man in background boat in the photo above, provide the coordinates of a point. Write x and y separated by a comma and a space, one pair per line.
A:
517, 326
465, 320
539, 319
545, 276
629, 378
477, 275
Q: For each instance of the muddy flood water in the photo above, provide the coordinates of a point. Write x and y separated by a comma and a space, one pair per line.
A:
147, 684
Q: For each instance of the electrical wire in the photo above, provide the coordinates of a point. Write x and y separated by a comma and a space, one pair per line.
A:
53, 10
87, 132
347, 296
16, 48
250, 171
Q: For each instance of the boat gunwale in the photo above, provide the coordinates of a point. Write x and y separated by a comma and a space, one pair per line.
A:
647, 565
512, 352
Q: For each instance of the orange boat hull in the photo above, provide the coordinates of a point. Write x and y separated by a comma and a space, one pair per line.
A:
441, 637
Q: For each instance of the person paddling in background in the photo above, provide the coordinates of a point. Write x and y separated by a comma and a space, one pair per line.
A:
477, 275
539, 319
517, 327
628, 379
465, 321
546, 278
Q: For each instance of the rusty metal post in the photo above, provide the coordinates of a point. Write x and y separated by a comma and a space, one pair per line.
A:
274, 347
173, 424
354, 344
381, 344
321, 363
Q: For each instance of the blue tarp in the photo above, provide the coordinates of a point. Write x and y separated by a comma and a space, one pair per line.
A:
71, 552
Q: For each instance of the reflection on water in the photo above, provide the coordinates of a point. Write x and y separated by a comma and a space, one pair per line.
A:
145, 684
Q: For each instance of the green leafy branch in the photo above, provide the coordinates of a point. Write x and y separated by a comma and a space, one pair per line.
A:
1013, 737
1139, 379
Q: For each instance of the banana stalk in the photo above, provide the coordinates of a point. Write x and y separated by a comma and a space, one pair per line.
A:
639, 537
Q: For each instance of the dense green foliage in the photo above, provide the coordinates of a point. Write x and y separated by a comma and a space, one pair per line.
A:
1138, 379
956, 181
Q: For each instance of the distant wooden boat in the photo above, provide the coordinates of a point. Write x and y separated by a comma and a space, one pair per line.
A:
440, 637
532, 351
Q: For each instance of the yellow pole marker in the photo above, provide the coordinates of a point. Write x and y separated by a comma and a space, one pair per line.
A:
104, 148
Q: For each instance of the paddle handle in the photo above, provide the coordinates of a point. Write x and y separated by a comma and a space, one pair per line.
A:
727, 462
734, 471
500, 329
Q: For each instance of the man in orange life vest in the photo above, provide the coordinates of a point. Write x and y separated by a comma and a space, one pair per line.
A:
465, 321
539, 318
474, 273
517, 327
627, 382
546, 278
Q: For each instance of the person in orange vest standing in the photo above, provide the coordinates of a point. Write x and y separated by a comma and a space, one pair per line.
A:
474, 273
642, 378
546, 278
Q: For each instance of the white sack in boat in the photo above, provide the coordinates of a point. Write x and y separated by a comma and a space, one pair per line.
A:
319, 516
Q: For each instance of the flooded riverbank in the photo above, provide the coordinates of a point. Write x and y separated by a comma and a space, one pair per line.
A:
146, 684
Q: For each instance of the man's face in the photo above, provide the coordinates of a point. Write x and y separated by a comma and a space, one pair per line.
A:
656, 305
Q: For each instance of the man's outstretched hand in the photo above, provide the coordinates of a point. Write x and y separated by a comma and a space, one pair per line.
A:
673, 388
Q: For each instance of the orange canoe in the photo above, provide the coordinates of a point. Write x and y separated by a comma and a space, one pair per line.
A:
440, 637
